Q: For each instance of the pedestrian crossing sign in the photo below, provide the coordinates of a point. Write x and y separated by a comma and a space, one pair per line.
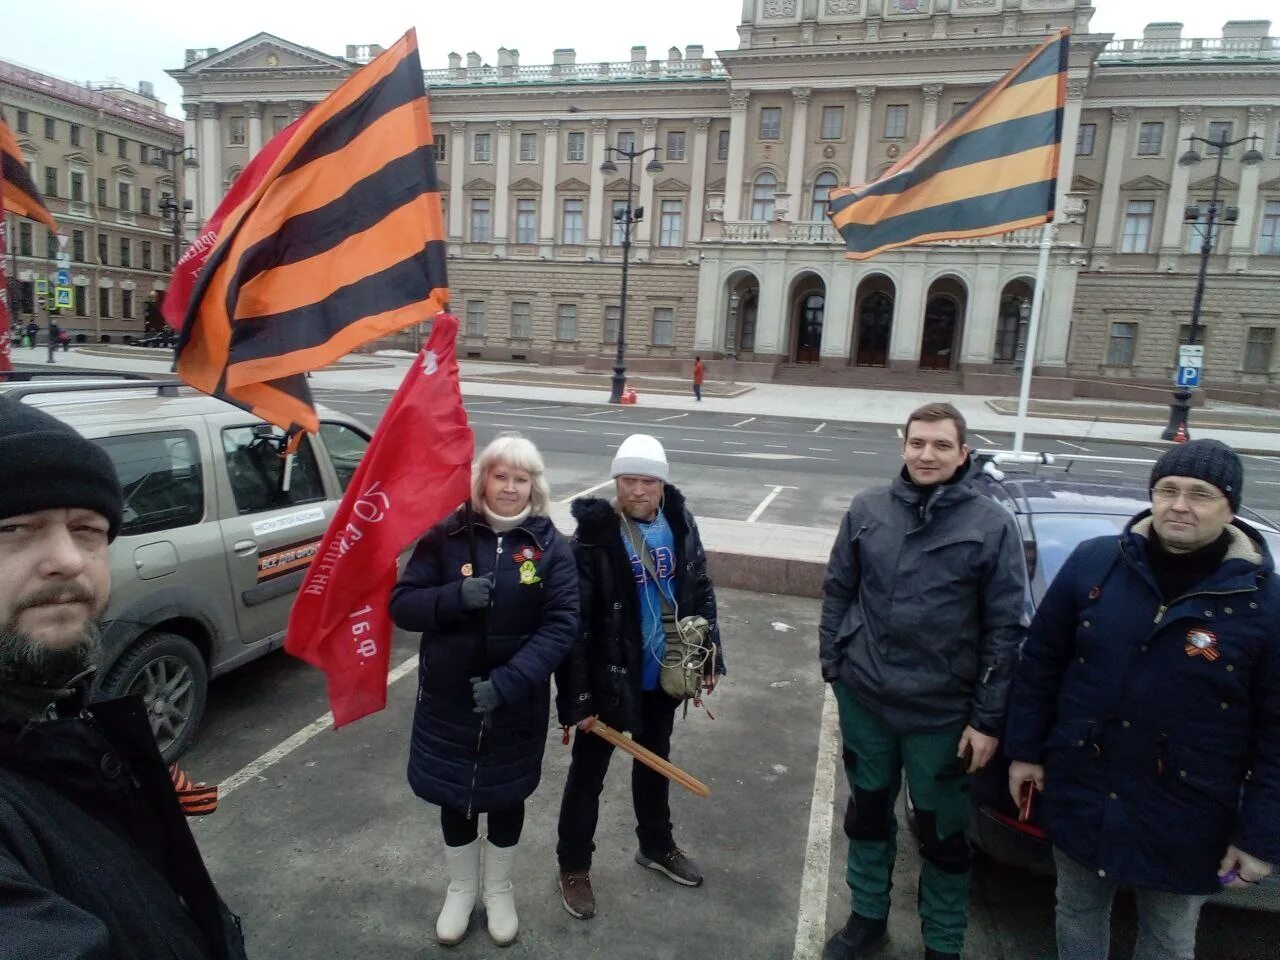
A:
63, 297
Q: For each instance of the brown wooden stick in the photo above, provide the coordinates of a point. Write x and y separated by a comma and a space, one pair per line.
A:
650, 759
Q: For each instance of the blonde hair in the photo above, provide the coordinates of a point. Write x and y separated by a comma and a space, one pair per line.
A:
520, 454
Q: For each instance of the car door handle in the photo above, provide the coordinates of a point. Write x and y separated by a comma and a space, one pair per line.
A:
243, 548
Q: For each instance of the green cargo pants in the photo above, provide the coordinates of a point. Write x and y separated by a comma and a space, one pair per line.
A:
874, 758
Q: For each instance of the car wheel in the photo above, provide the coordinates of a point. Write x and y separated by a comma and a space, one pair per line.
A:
170, 676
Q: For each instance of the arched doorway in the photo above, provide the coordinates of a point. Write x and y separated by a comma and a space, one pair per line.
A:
943, 319
742, 304
808, 309
874, 321
1011, 323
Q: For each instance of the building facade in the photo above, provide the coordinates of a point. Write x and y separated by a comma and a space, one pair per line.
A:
734, 258
103, 159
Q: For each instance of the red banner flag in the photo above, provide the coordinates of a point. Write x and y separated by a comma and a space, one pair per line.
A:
417, 469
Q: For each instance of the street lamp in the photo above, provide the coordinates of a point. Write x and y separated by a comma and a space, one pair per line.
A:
627, 218
169, 203
1180, 408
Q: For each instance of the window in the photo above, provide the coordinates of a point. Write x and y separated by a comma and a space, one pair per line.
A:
1219, 130
822, 186
166, 257
24, 122
144, 153
50, 128
575, 146
146, 254
1138, 215
50, 181
1086, 134
122, 148
571, 225
612, 320
1257, 349
77, 246
567, 322
482, 148
235, 127
346, 449
77, 186
100, 142
526, 221
770, 123
441, 141
81, 297
664, 326
76, 132
254, 465
50, 244
1197, 229
832, 123
126, 253
278, 123
1269, 238
528, 148
1150, 139
521, 320
671, 225
958, 108
481, 220
102, 193
675, 146
144, 201
475, 318
126, 304
104, 302
617, 216
103, 242
26, 238
762, 194
125, 197
1120, 346
627, 140
895, 121
722, 145
162, 480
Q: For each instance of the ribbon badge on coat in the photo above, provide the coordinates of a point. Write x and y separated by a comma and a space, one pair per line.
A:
1202, 643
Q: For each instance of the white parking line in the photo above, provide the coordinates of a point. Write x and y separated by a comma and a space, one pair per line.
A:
811, 924
1119, 473
1074, 446
1251, 456
743, 423
819, 450
583, 493
615, 434
818, 428
735, 443
776, 446
545, 406
676, 416
1269, 483
600, 413
571, 430
1156, 449
691, 440
764, 504
254, 770
899, 433
986, 440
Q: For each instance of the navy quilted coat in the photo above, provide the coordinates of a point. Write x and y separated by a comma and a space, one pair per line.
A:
532, 621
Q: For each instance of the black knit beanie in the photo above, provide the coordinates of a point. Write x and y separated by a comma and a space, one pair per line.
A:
47, 465
1209, 460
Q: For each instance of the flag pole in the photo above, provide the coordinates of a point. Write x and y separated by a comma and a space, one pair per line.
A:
1033, 330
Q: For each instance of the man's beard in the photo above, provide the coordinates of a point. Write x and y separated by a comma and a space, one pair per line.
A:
25, 662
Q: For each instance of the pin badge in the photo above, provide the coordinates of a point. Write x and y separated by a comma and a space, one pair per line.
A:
1202, 643
466, 569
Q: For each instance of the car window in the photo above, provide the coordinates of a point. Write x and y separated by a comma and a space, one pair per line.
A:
1057, 534
162, 479
254, 466
346, 448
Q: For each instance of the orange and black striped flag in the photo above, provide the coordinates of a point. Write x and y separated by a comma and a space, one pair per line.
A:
17, 193
991, 168
336, 239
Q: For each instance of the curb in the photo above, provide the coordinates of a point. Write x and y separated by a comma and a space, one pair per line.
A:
761, 574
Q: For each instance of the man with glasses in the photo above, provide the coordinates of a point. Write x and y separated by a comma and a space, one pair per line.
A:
1146, 709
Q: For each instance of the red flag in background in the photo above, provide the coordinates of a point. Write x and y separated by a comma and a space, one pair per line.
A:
417, 469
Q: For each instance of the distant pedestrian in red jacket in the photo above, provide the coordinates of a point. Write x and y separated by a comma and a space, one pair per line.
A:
699, 374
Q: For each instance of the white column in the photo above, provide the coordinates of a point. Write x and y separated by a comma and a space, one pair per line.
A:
1067, 155
795, 162
254, 109
550, 169
502, 188
1171, 238
861, 136
978, 340
908, 313
297, 108
708, 331
736, 170
698, 178
644, 229
1243, 234
929, 118
1055, 331
595, 157
838, 314
1117, 142
210, 153
190, 175
771, 315
457, 173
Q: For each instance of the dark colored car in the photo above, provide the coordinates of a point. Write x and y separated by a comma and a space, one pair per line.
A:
1055, 512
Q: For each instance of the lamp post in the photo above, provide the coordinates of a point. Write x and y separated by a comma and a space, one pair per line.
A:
1180, 408
627, 218
169, 203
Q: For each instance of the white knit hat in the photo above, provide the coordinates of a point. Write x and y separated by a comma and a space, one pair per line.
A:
642, 456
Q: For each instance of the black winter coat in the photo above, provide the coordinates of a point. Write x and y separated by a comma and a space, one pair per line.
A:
532, 622
96, 859
603, 676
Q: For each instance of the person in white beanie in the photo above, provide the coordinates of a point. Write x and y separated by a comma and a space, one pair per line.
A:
613, 671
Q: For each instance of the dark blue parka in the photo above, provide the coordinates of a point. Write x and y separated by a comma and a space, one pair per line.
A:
532, 622
1159, 726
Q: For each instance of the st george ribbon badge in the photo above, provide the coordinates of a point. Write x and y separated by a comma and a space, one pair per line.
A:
1202, 643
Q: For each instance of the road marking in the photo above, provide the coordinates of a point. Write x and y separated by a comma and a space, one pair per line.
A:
1074, 446
819, 450
255, 769
1119, 473
583, 493
571, 430
818, 428
986, 440
776, 446
691, 440
480, 403
865, 453
1271, 460
551, 406
751, 456
676, 416
1269, 483
811, 924
599, 413
735, 443
764, 504
743, 423
899, 432
1155, 449
607, 434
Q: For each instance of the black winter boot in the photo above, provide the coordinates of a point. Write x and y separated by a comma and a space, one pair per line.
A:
859, 937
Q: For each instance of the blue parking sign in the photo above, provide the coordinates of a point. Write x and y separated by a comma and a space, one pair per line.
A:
64, 278
1188, 376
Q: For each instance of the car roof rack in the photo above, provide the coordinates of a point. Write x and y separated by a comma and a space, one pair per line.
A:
164, 388
20, 376
991, 461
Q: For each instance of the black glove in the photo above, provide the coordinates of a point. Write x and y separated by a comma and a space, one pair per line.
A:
475, 592
486, 697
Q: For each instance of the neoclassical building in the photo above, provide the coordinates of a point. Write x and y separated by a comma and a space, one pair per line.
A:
734, 257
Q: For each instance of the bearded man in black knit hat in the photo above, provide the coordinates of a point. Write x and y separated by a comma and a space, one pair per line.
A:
1146, 707
96, 859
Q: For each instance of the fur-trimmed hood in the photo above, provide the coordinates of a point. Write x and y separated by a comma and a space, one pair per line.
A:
1246, 543
597, 517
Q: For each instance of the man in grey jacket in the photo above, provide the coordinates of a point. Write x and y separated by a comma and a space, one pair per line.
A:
922, 615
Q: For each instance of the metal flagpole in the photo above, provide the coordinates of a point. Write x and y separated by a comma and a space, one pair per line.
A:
1033, 329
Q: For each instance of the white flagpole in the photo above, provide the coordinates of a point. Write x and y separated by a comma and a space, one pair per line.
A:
1033, 330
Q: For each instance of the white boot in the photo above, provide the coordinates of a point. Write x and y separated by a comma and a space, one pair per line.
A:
499, 894
463, 864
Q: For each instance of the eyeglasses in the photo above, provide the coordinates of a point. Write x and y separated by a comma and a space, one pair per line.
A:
1197, 495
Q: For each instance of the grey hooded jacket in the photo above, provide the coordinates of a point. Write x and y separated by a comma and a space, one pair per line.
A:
923, 607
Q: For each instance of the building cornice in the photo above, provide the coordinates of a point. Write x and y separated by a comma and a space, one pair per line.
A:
844, 51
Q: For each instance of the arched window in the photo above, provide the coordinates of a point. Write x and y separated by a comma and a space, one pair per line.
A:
762, 196
821, 194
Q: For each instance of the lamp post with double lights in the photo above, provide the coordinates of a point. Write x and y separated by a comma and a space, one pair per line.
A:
169, 203
628, 218
1181, 405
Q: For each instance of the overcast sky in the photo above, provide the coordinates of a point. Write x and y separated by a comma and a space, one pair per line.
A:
136, 40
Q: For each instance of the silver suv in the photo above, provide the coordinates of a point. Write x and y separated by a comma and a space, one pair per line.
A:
215, 541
